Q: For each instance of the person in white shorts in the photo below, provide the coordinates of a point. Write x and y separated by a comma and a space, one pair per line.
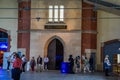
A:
46, 60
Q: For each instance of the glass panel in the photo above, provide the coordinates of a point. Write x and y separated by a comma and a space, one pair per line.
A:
50, 13
61, 13
118, 60
56, 13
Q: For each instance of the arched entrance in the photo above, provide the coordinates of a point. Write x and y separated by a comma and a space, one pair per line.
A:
3, 44
111, 48
55, 54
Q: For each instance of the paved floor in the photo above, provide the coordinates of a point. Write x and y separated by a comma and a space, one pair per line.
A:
56, 75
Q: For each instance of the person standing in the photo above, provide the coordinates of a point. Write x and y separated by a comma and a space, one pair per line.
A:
71, 62
39, 63
86, 65
32, 64
107, 65
16, 72
91, 62
24, 61
8, 62
77, 62
46, 60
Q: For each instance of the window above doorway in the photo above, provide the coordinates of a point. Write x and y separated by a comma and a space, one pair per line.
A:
56, 17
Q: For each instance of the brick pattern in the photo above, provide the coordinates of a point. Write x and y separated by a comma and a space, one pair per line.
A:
24, 24
89, 23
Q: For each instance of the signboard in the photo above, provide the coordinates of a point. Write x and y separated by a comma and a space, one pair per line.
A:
3, 43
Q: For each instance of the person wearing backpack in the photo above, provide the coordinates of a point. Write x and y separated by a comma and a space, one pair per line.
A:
16, 71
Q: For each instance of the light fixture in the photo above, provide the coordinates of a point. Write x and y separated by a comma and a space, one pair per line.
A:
38, 18
38, 13
119, 49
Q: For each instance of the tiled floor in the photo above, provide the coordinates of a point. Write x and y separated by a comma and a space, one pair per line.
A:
56, 75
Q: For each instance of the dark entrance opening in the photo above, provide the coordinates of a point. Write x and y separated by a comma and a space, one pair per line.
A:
3, 45
55, 54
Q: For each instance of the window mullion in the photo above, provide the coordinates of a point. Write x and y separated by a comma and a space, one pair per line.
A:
56, 13
50, 13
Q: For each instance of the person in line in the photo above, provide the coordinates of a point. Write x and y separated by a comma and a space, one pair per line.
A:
86, 65
24, 61
28, 67
91, 62
107, 65
8, 62
77, 62
16, 71
46, 60
71, 62
32, 64
39, 64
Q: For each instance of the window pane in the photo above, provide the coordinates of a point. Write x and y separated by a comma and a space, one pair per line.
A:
56, 13
61, 13
50, 13
118, 56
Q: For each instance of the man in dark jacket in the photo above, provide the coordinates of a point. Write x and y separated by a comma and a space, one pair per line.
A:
71, 62
39, 63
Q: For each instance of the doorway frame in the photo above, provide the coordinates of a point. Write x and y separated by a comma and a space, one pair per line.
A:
48, 42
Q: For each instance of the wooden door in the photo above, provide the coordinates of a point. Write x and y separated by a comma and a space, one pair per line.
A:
55, 54
52, 54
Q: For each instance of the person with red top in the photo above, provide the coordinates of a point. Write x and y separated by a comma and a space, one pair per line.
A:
16, 67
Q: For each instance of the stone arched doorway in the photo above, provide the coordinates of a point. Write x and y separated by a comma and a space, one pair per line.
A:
55, 53
4, 44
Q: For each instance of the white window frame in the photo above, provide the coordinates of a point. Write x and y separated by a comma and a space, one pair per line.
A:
56, 13
118, 57
50, 13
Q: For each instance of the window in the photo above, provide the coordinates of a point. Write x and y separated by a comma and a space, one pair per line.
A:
56, 13
118, 57
56, 17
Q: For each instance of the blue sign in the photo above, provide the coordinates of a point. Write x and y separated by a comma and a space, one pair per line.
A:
3, 45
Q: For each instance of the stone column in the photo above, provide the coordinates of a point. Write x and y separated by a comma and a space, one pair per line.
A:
24, 25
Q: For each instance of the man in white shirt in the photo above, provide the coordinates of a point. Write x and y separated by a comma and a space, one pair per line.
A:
24, 61
46, 60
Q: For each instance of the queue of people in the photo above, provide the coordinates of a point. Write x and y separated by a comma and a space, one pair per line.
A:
88, 64
15, 61
19, 64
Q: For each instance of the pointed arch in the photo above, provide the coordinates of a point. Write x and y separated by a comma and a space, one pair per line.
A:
54, 50
49, 40
3, 30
